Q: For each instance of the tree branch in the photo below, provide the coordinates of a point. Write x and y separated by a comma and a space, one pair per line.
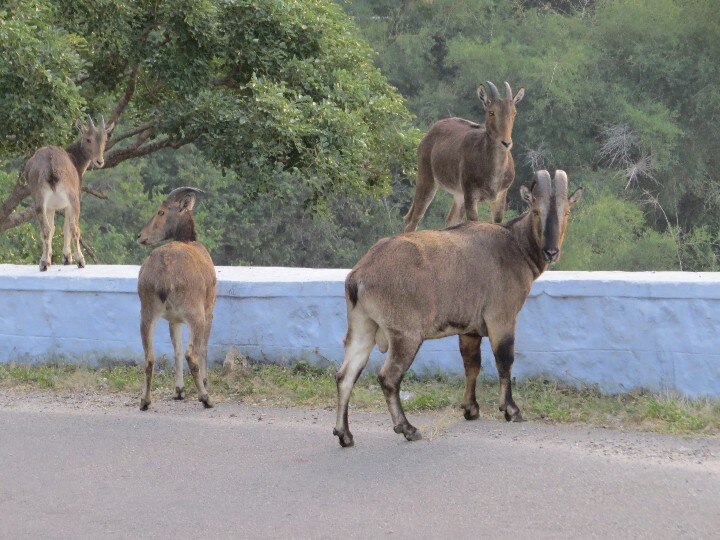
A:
127, 95
129, 133
19, 192
17, 218
96, 193
130, 152
88, 249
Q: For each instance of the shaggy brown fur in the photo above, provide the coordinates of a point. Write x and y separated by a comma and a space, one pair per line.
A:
471, 280
177, 282
470, 161
54, 176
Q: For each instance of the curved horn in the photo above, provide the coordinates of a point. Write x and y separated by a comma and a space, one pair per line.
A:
508, 91
177, 192
493, 90
561, 183
90, 121
543, 185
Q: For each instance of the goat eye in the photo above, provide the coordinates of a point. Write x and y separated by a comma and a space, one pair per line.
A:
88, 141
161, 213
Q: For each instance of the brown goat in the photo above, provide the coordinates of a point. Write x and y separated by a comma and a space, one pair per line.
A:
54, 176
177, 282
471, 161
469, 280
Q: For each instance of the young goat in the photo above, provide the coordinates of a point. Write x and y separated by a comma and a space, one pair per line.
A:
54, 176
471, 161
177, 282
469, 280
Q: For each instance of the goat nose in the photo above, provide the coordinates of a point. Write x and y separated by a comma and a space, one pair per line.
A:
550, 254
507, 144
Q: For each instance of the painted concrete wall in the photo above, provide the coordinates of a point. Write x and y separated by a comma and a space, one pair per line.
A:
657, 330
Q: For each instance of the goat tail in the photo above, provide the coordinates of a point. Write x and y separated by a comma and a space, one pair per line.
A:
52, 178
351, 289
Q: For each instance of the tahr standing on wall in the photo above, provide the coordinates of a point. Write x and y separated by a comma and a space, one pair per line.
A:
54, 176
471, 161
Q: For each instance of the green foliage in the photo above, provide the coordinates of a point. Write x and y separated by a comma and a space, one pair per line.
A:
38, 99
19, 244
607, 233
282, 93
648, 66
306, 152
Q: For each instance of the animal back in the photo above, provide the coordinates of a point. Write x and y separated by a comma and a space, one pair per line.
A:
175, 270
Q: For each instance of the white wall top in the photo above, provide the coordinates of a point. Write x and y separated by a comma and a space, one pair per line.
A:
270, 280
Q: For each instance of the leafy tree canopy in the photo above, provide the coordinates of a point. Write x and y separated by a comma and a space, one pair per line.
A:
284, 94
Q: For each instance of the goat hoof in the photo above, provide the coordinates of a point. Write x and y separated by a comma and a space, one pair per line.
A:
179, 393
412, 435
513, 417
410, 432
81, 263
205, 400
471, 412
144, 404
344, 437
44, 266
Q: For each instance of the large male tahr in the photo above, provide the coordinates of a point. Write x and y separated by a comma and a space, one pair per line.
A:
470, 280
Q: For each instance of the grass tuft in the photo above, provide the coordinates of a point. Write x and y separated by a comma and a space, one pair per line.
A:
302, 384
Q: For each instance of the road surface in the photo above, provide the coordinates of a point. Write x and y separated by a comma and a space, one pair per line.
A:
93, 466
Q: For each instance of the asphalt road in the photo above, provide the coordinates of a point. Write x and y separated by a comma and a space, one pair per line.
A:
92, 466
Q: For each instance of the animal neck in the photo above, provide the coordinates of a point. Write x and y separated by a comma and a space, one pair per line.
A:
498, 154
185, 229
78, 157
522, 231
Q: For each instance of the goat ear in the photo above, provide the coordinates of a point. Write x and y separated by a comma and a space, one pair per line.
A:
187, 202
576, 196
110, 128
526, 194
518, 97
482, 95
79, 125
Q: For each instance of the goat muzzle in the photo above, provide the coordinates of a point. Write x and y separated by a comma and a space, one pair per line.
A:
551, 255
